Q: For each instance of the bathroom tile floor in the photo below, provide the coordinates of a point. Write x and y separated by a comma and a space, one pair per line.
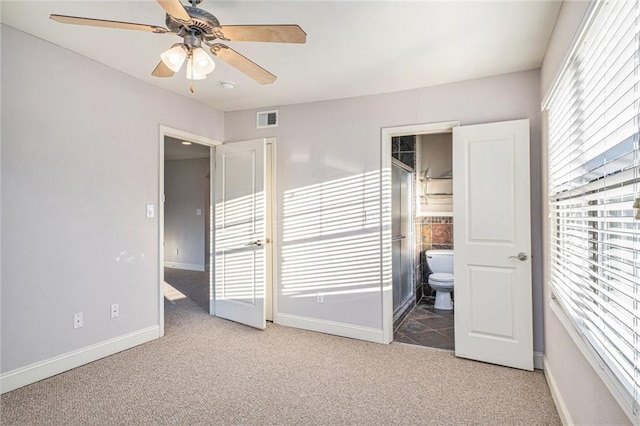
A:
427, 326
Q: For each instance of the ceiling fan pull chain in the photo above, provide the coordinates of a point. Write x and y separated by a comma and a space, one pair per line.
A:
190, 64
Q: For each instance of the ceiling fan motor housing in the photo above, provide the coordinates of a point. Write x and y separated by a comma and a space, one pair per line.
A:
192, 41
204, 23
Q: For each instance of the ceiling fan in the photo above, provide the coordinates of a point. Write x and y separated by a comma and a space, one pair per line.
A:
198, 27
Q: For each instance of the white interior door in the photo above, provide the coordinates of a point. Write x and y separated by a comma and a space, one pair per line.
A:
492, 242
240, 239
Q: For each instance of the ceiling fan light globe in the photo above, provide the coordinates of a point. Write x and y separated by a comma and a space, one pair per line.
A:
174, 58
192, 73
202, 62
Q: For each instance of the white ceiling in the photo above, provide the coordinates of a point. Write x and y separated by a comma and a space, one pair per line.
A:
353, 48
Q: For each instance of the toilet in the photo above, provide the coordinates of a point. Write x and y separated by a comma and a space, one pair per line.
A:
441, 280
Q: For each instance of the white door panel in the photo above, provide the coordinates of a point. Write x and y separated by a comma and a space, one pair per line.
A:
240, 233
493, 299
491, 191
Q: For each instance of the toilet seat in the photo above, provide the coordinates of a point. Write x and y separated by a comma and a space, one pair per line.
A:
440, 277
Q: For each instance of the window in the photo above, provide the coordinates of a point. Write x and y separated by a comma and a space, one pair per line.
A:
594, 186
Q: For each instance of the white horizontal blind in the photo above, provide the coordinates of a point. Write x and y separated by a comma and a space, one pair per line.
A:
594, 179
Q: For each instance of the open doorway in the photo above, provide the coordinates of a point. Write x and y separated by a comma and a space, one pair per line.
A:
491, 210
221, 217
422, 239
189, 258
400, 146
187, 219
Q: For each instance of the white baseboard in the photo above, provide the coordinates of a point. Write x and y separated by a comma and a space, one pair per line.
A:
330, 327
186, 266
41, 370
563, 412
538, 360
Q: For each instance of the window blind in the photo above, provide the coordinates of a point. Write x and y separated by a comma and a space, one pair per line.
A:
594, 182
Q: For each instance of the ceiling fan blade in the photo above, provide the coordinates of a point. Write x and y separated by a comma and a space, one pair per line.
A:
107, 24
162, 70
176, 9
242, 64
266, 33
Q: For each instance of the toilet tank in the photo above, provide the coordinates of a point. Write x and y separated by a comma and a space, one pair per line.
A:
440, 261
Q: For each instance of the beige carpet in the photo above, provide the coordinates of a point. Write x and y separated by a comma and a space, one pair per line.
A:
192, 284
211, 371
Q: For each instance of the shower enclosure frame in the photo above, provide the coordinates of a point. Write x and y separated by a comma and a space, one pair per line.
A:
403, 240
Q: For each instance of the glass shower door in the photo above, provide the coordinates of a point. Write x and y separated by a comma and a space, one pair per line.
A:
401, 236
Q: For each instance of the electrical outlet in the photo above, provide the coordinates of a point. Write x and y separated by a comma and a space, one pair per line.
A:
115, 310
320, 298
77, 320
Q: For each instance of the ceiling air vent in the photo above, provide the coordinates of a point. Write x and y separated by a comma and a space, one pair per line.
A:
267, 119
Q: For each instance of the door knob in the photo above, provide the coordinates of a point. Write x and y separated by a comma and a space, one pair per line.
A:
521, 256
254, 243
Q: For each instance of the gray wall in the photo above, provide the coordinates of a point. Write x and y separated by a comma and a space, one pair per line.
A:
319, 143
80, 156
583, 394
186, 187
436, 153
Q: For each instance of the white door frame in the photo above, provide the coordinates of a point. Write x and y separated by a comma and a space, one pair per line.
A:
385, 213
272, 231
190, 137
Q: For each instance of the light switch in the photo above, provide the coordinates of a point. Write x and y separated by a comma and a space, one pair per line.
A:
151, 210
198, 212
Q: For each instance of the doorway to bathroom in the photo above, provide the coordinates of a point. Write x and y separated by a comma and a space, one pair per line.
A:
422, 225
492, 211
